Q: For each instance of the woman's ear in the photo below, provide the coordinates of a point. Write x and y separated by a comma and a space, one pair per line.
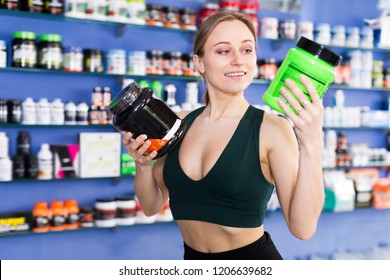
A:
198, 64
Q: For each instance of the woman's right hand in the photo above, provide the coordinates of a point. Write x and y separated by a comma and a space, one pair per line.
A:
137, 148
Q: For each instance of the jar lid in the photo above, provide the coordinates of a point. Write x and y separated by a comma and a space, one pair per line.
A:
124, 98
24, 35
92, 51
50, 38
319, 51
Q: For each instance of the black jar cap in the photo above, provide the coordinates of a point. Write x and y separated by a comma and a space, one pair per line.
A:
319, 51
309, 46
330, 57
124, 98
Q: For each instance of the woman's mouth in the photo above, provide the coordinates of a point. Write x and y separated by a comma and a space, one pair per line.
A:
235, 74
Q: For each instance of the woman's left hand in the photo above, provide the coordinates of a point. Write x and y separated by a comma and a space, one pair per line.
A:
309, 113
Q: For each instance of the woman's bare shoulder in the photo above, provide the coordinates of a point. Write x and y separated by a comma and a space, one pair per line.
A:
183, 114
276, 122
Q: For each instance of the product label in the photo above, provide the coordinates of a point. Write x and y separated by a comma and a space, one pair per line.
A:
50, 57
25, 54
3, 59
292, 72
45, 169
40, 222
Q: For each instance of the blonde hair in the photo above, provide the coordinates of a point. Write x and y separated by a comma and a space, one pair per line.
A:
208, 26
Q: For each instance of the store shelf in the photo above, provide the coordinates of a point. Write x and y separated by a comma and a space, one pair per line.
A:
94, 228
357, 128
121, 26
19, 125
97, 74
372, 165
28, 180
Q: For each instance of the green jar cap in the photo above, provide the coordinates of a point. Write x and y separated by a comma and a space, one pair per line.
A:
24, 35
50, 38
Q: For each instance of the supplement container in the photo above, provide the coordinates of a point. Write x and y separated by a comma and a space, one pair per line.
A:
309, 58
50, 51
126, 210
58, 215
3, 54
40, 215
135, 110
73, 59
105, 212
72, 214
24, 49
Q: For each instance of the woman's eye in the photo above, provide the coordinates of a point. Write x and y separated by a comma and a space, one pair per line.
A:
247, 50
224, 52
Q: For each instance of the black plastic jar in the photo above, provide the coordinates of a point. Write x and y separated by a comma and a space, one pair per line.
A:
136, 111
93, 60
50, 51
54, 7
24, 49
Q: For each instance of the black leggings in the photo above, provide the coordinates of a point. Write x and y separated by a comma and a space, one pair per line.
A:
262, 249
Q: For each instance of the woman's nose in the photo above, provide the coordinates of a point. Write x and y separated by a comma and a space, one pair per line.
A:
237, 58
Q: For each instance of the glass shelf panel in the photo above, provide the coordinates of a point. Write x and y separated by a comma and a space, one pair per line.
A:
94, 228
62, 18
357, 128
28, 180
371, 165
96, 74
19, 125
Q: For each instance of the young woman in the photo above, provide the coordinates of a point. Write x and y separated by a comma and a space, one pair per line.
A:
220, 177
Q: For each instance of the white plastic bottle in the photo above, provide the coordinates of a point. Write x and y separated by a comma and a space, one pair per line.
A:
4, 145
29, 111
57, 112
5, 169
43, 111
45, 163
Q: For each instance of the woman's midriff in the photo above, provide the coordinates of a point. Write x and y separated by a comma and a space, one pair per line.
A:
212, 238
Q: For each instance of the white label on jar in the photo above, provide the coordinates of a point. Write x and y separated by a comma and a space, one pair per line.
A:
3, 58
173, 130
116, 64
25, 53
51, 56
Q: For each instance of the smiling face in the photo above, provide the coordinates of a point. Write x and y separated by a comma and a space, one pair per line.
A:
228, 62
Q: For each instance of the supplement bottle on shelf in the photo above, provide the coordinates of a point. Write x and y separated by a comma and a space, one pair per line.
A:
72, 214
41, 217
58, 216
29, 111
45, 163
24, 49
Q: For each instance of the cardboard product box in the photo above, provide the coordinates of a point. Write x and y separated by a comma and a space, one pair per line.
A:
100, 154
66, 160
363, 179
15, 222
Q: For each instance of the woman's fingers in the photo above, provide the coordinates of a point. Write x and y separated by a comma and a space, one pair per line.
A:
310, 89
299, 100
137, 148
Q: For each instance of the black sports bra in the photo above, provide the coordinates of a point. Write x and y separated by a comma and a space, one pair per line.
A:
235, 192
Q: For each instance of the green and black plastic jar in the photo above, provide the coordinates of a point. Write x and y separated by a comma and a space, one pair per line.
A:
50, 51
24, 49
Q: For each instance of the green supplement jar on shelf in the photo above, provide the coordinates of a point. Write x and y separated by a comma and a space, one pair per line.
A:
24, 49
50, 51
309, 58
